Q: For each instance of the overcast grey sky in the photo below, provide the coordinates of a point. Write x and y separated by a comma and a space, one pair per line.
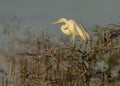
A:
43, 12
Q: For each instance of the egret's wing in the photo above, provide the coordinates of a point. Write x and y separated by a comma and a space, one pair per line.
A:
86, 35
81, 31
75, 28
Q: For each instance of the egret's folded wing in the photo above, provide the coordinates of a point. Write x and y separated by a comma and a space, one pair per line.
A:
79, 30
85, 34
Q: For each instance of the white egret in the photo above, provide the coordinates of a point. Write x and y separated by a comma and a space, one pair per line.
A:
73, 28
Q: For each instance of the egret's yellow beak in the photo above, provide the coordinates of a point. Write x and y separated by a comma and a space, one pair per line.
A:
56, 22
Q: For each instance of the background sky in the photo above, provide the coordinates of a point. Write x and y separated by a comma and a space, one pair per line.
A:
41, 13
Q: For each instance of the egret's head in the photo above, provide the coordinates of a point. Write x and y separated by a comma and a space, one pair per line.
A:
60, 21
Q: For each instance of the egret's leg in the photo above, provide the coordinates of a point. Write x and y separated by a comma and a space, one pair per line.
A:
81, 44
74, 45
86, 43
73, 41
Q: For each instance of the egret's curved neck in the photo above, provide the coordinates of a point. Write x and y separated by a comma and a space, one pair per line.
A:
65, 30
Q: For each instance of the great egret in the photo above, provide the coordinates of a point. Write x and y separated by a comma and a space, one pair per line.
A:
73, 28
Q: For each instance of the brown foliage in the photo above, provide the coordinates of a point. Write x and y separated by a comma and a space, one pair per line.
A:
47, 61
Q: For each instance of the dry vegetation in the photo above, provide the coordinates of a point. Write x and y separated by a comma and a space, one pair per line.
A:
48, 61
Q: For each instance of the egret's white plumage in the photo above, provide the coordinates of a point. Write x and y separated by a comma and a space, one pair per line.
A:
73, 28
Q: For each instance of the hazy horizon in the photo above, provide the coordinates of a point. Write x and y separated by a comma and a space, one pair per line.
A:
40, 13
